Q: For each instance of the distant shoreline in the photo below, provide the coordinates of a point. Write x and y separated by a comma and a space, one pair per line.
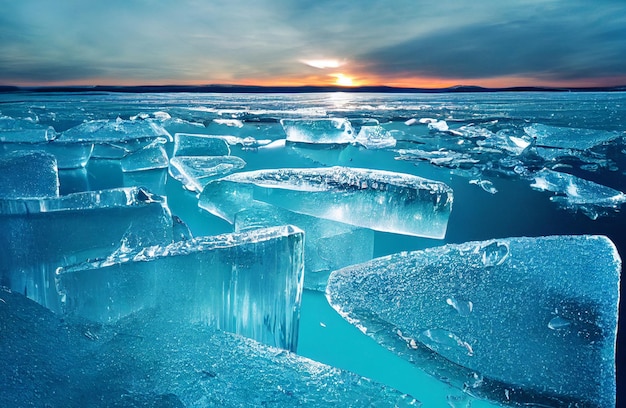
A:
289, 89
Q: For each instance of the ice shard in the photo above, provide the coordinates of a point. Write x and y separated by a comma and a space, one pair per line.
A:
150, 157
375, 137
376, 199
527, 321
329, 245
114, 139
318, 130
39, 235
194, 172
31, 174
187, 144
574, 193
569, 138
146, 362
248, 283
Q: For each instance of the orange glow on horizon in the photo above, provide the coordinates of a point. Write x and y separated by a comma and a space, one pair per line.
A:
344, 79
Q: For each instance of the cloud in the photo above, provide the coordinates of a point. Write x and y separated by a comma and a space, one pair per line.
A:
552, 46
237, 40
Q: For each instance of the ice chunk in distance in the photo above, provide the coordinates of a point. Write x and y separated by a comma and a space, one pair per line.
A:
187, 144
248, 283
39, 235
568, 138
329, 245
376, 199
196, 171
547, 338
145, 361
575, 193
324, 130
31, 174
375, 137
14, 130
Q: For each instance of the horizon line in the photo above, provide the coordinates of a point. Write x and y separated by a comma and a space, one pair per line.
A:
237, 88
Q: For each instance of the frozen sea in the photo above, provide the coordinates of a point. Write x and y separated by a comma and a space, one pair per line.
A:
520, 164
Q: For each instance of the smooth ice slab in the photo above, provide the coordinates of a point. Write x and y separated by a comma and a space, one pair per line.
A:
519, 320
248, 283
376, 199
325, 130
118, 130
329, 245
574, 193
145, 361
39, 235
568, 138
196, 171
31, 174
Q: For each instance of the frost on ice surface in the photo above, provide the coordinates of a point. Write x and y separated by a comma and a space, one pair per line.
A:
547, 337
575, 193
329, 245
145, 361
196, 171
380, 200
31, 174
39, 235
247, 283
324, 131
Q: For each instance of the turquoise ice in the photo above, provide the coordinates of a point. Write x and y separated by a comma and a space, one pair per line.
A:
517, 320
248, 283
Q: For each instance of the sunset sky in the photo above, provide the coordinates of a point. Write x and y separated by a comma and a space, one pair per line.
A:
420, 43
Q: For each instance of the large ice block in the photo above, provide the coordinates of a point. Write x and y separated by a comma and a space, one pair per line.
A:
376, 199
31, 174
196, 171
318, 130
329, 245
39, 235
520, 320
248, 283
144, 361
574, 193
375, 137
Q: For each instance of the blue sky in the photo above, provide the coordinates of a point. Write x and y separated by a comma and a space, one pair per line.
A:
382, 42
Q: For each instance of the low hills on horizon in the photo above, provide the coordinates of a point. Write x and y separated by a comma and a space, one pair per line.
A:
217, 88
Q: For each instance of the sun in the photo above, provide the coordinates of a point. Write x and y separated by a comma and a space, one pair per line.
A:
343, 80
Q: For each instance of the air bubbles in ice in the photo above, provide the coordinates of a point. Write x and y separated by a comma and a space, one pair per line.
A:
558, 323
463, 307
494, 254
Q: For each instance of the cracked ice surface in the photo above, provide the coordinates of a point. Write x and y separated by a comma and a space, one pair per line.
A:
524, 320
150, 362
376, 199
